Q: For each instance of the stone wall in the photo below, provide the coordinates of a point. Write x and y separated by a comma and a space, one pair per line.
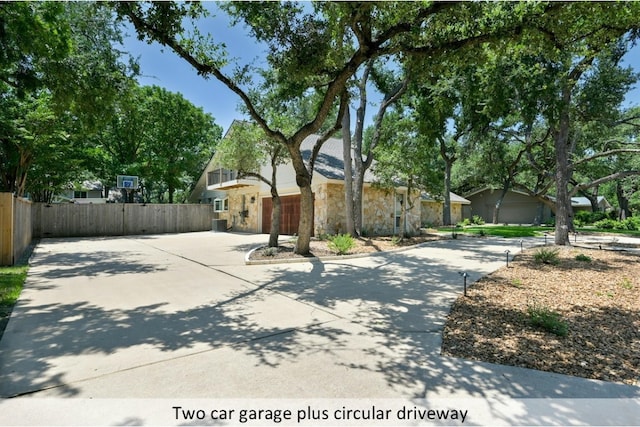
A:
378, 211
431, 213
237, 199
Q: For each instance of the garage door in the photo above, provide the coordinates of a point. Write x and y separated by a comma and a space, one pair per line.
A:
289, 214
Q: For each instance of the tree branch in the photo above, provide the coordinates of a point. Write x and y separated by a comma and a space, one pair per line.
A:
604, 154
605, 179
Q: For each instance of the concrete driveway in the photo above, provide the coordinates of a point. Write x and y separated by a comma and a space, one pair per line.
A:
181, 316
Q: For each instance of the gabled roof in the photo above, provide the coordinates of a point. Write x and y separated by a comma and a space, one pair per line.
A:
584, 202
487, 188
330, 161
452, 196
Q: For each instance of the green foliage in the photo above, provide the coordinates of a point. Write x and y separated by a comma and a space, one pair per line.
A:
341, 243
546, 256
477, 220
631, 223
507, 231
60, 72
587, 218
583, 258
626, 283
11, 283
544, 318
160, 136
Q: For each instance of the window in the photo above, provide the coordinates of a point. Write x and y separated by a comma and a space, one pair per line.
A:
79, 194
221, 205
221, 175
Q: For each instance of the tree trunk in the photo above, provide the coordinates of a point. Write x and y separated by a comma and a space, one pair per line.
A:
623, 202
274, 234
358, 187
446, 206
348, 175
303, 180
563, 201
498, 205
305, 227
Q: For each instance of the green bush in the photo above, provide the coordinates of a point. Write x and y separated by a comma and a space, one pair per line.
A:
632, 223
341, 243
583, 258
606, 224
550, 321
588, 218
477, 220
546, 256
464, 223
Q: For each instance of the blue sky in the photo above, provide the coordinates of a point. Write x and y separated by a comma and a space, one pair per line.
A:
164, 68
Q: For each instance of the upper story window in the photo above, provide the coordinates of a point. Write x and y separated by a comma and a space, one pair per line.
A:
221, 175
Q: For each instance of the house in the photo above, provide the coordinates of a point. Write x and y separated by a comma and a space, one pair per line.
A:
517, 207
583, 204
85, 192
246, 203
521, 208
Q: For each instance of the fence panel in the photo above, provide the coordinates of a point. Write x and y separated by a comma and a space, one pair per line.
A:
15, 227
22, 227
87, 220
6, 229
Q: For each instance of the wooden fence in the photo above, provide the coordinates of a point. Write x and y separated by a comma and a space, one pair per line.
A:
15, 227
21, 220
89, 220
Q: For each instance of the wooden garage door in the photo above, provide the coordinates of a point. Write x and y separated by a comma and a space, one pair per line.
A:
289, 214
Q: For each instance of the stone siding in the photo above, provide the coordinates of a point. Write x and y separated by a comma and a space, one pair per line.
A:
239, 222
432, 213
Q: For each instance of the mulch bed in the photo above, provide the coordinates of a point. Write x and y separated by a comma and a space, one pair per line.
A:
598, 299
320, 248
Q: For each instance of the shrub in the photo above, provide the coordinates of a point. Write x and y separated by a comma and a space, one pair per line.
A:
542, 317
341, 243
477, 220
632, 223
465, 222
583, 258
606, 224
546, 256
587, 218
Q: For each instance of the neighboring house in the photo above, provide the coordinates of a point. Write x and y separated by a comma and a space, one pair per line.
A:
86, 192
521, 208
246, 203
517, 207
583, 204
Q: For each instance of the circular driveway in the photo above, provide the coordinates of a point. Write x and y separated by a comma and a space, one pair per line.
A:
181, 315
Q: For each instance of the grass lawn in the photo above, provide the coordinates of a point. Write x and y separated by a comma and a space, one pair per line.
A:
11, 281
526, 231
501, 230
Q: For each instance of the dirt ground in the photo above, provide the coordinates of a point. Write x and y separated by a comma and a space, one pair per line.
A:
597, 295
